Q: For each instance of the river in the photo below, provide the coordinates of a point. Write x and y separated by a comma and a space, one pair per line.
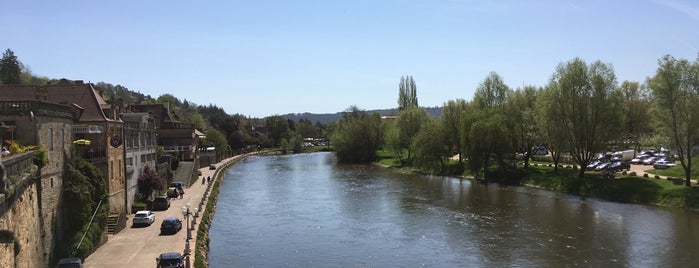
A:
306, 210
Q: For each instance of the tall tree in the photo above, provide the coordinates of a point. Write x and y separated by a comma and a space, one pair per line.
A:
430, 150
637, 105
277, 128
590, 107
453, 113
10, 68
521, 114
675, 89
407, 93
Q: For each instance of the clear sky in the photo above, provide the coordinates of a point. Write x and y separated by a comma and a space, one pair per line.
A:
260, 58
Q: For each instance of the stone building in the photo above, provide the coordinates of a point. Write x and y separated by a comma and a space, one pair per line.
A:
31, 209
98, 123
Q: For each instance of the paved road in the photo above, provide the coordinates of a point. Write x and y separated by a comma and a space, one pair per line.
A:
140, 246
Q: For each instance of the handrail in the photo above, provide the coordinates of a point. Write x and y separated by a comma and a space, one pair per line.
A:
89, 224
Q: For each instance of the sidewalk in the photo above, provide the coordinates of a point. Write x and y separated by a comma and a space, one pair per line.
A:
140, 246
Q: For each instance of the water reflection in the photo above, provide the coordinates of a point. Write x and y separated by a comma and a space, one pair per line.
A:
305, 210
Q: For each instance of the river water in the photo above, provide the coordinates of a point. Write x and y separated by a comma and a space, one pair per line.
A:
306, 210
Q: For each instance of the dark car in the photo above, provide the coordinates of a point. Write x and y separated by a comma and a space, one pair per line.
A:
170, 260
70, 263
619, 166
176, 184
170, 225
212, 167
161, 203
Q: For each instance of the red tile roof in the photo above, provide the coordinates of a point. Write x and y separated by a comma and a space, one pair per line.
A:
79, 94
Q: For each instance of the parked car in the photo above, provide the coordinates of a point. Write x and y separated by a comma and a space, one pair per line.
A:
650, 160
618, 166
170, 225
69, 263
639, 159
170, 260
212, 167
142, 217
663, 164
161, 202
602, 166
177, 184
592, 165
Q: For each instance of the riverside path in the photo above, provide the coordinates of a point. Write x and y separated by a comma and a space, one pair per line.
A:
140, 246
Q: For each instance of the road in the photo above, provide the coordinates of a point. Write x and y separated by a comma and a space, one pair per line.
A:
140, 246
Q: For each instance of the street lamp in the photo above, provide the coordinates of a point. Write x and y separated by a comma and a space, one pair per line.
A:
186, 213
187, 251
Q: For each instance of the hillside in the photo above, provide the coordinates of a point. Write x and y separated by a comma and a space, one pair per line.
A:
330, 118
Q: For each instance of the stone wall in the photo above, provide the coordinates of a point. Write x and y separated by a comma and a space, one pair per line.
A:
20, 214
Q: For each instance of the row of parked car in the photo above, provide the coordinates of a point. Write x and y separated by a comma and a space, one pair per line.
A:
659, 160
605, 165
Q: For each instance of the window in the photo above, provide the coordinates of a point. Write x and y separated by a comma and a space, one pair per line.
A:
49, 141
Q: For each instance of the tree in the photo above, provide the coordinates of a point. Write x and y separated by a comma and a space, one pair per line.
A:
277, 128
547, 118
10, 68
521, 114
407, 93
149, 181
453, 113
589, 107
492, 92
357, 136
409, 122
430, 150
675, 89
215, 138
637, 104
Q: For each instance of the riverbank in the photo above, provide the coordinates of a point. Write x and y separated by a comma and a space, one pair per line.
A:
201, 251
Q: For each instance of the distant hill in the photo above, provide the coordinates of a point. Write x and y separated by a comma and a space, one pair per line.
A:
330, 118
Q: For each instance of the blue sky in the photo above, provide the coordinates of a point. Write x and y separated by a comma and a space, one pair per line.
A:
261, 58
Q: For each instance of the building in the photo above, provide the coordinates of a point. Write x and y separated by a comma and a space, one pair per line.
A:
141, 148
31, 210
98, 124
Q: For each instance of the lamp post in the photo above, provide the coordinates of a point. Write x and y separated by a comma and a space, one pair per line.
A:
187, 251
186, 213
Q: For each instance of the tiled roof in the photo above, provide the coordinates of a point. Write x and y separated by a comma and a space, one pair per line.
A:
80, 95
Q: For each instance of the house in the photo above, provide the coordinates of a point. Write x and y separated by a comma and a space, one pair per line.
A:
97, 123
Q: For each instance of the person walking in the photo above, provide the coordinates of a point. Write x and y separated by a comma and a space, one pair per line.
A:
208, 179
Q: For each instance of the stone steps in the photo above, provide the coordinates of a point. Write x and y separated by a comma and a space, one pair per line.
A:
113, 223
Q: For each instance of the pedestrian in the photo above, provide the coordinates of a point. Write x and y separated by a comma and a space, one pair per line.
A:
208, 179
203, 180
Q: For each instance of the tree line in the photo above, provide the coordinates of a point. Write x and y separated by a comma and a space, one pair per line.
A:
581, 111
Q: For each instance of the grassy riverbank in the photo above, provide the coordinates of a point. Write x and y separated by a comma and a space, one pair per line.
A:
624, 188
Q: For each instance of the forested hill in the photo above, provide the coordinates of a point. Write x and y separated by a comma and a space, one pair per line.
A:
330, 118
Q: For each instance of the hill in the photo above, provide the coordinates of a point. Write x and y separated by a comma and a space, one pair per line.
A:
331, 118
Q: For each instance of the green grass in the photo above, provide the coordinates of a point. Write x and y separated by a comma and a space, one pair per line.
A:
677, 171
626, 189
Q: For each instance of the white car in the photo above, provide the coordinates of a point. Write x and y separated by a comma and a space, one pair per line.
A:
146, 217
663, 164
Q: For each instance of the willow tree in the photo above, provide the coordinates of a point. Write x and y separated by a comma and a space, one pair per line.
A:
453, 113
675, 89
357, 136
588, 106
407, 93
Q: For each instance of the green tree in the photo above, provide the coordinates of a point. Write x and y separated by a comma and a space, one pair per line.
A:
675, 89
392, 140
547, 119
10, 70
492, 92
637, 105
357, 136
430, 149
521, 114
277, 128
215, 138
407, 93
451, 120
409, 122
590, 108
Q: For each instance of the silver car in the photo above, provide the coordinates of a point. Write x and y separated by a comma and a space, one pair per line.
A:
144, 217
